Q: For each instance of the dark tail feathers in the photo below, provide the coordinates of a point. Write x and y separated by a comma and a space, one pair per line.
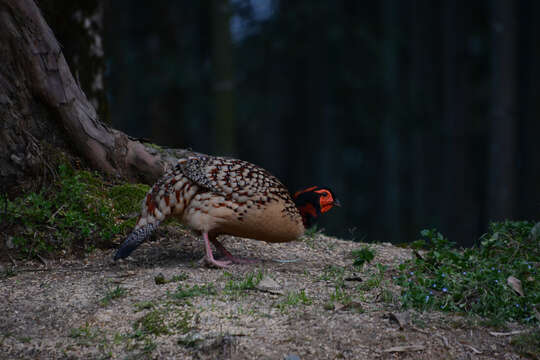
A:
135, 239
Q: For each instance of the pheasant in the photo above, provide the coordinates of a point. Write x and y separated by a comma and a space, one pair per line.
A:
225, 196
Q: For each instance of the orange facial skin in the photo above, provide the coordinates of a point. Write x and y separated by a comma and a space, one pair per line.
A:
314, 201
326, 200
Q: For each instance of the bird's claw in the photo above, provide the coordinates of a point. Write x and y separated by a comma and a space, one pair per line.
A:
217, 263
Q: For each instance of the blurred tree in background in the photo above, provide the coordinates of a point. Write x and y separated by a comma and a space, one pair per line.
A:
418, 113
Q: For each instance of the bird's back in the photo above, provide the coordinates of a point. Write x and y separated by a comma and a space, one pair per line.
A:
224, 196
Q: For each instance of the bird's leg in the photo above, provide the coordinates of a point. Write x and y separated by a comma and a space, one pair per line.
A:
227, 255
209, 256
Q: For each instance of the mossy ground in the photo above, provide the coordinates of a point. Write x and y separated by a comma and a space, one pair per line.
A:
77, 212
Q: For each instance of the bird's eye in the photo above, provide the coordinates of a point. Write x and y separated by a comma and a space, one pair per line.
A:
324, 193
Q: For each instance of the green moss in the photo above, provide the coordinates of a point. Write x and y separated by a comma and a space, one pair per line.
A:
153, 146
78, 211
127, 198
151, 323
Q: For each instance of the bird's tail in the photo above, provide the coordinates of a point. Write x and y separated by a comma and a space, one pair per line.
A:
156, 206
135, 239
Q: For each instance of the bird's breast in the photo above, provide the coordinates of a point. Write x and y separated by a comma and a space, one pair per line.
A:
256, 217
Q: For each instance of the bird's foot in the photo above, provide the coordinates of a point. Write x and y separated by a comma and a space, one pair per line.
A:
217, 263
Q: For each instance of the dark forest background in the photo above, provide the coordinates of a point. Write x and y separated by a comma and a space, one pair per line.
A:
418, 114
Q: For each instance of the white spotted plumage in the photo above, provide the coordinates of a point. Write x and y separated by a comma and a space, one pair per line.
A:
218, 195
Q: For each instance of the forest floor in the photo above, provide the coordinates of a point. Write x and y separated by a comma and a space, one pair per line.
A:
303, 300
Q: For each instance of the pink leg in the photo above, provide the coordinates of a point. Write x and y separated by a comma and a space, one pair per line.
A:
230, 257
210, 257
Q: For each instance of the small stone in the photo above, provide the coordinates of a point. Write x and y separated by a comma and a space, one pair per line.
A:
291, 357
9, 242
268, 284
159, 279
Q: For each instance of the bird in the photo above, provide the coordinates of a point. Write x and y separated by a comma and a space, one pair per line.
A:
216, 195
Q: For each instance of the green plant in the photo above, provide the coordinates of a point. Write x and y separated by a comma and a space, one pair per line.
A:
293, 299
144, 305
193, 291
362, 256
474, 280
312, 232
85, 335
340, 295
527, 344
151, 323
375, 279
148, 346
332, 272
183, 321
249, 282
160, 279
179, 277
112, 294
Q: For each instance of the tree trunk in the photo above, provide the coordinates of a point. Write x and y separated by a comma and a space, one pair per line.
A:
78, 26
390, 216
223, 72
457, 216
43, 110
502, 164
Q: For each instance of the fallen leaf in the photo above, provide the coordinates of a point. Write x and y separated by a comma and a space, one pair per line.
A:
535, 231
267, 284
445, 341
476, 351
405, 348
515, 332
351, 305
402, 318
515, 284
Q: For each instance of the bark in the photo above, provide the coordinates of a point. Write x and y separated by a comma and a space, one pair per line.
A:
43, 109
421, 102
78, 27
457, 217
390, 217
224, 86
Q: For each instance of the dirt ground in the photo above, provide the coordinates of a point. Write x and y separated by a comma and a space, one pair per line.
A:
163, 304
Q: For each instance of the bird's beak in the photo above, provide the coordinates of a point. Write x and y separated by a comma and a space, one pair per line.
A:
336, 203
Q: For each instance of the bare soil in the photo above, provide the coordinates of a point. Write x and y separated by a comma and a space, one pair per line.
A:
93, 308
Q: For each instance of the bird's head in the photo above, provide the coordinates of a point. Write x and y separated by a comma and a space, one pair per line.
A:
314, 201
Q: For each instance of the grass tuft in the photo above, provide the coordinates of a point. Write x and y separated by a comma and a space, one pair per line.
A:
186, 292
250, 281
362, 256
112, 294
294, 299
151, 323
